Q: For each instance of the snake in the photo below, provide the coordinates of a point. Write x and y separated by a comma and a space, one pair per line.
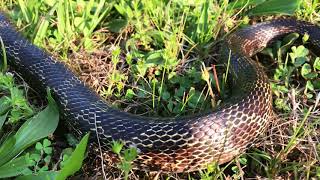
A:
172, 144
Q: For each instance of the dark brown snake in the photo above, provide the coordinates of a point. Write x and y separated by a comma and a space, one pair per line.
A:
172, 144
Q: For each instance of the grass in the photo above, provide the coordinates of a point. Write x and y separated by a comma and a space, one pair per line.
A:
159, 58
18, 134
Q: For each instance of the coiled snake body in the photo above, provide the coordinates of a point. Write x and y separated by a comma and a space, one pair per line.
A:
181, 144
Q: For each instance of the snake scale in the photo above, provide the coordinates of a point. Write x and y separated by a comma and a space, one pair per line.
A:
166, 144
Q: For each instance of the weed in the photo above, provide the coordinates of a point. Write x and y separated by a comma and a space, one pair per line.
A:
16, 159
126, 157
11, 145
298, 63
15, 102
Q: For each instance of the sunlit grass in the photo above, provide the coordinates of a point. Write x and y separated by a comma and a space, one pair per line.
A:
158, 58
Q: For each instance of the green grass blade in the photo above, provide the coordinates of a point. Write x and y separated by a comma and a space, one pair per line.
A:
5, 150
202, 27
61, 14
2, 120
24, 10
72, 165
69, 30
45, 122
43, 27
103, 11
298, 132
4, 65
75, 161
14, 167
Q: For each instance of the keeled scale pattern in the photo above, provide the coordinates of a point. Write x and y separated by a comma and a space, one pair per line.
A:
184, 144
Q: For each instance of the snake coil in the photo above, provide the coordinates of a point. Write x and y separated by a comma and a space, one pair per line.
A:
180, 144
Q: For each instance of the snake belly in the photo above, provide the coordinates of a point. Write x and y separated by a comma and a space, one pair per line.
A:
166, 144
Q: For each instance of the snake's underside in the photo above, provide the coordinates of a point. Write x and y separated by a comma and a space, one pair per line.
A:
167, 144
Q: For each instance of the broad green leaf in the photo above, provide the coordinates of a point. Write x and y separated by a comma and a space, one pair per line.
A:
130, 94
165, 95
46, 143
299, 55
316, 83
50, 3
4, 105
75, 161
39, 146
299, 61
300, 51
45, 123
306, 72
170, 106
202, 26
286, 7
268, 51
2, 120
316, 63
14, 167
288, 41
155, 58
44, 175
244, 3
6, 148
35, 157
117, 25
306, 69
71, 166
310, 86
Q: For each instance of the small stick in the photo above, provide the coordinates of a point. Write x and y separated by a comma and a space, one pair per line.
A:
216, 77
